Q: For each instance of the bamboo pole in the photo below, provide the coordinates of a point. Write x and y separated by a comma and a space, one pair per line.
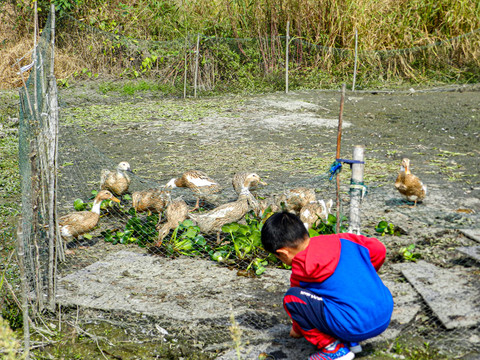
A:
36, 174
356, 57
287, 44
59, 250
35, 24
23, 281
356, 189
52, 135
52, 40
186, 68
339, 141
197, 51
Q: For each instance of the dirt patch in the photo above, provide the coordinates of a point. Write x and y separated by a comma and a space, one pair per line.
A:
286, 138
291, 140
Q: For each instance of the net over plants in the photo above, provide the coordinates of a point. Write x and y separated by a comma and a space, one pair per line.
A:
164, 252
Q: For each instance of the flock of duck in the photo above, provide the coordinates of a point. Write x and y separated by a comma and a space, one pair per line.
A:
300, 200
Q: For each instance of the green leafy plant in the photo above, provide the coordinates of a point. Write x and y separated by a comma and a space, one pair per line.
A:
409, 253
140, 231
328, 226
186, 239
245, 238
418, 352
79, 205
148, 63
240, 246
259, 265
63, 83
386, 228
243, 242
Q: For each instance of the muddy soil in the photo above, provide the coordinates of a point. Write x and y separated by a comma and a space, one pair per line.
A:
289, 140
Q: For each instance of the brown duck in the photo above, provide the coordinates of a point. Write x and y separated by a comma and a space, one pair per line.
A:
240, 178
151, 200
410, 185
269, 203
197, 181
78, 223
116, 181
294, 199
176, 212
314, 210
213, 220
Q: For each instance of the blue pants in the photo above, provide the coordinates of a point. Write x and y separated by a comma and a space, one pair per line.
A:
305, 308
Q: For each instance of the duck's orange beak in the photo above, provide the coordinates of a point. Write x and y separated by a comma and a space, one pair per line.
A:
262, 182
113, 198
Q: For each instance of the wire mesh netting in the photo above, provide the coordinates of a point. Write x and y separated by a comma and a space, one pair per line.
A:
37, 103
148, 259
216, 64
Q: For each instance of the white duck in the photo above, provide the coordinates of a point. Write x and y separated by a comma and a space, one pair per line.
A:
116, 181
197, 181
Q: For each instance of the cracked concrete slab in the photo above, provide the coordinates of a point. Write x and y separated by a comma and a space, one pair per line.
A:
191, 293
448, 292
473, 234
471, 251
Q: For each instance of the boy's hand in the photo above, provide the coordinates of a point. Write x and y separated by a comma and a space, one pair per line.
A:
294, 334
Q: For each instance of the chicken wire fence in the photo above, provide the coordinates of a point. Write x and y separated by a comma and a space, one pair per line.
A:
62, 274
204, 64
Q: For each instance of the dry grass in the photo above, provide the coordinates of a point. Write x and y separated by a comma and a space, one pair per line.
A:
19, 44
65, 63
382, 25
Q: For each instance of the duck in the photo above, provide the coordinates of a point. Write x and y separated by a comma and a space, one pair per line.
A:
314, 210
176, 212
151, 200
73, 225
252, 180
409, 185
213, 220
197, 181
269, 203
294, 199
116, 181
239, 179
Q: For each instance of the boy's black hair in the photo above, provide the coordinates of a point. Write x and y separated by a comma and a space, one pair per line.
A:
282, 229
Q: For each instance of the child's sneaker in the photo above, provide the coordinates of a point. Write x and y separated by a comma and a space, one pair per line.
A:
334, 351
354, 347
